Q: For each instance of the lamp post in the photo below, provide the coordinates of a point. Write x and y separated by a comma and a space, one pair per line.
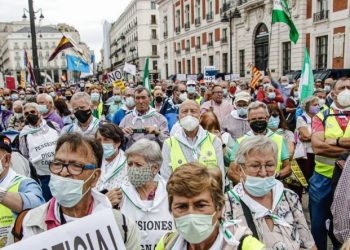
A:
228, 17
32, 13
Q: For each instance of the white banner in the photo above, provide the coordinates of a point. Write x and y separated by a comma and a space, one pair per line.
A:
181, 77
115, 76
97, 231
232, 77
191, 77
130, 68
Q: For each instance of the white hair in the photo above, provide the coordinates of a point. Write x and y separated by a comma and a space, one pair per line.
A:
258, 143
150, 150
82, 95
32, 105
46, 96
18, 103
256, 105
307, 102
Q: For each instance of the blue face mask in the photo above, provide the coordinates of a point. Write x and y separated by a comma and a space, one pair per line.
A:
242, 112
108, 150
274, 122
272, 95
258, 186
95, 97
43, 108
191, 89
14, 97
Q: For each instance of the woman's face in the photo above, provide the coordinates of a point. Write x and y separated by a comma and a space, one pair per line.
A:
259, 164
200, 204
106, 140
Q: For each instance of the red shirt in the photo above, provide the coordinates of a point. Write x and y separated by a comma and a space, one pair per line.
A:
317, 125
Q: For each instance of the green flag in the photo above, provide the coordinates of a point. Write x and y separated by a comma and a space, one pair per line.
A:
146, 81
280, 13
306, 85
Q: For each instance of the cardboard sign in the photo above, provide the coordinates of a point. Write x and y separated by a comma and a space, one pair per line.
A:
181, 77
191, 77
96, 231
209, 73
232, 77
10, 82
119, 84
115, 76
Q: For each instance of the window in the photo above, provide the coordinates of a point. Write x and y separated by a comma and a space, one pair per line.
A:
153, 19
165, 23
187, 45
321, 52
241, 63
199, 65
155, 65
154, 50
211, 60
286, 57
224, 62
178, 22
224, 33
179, 67
187, 15
198, 46
166, 70
154, 34
198, 9
210, 37
153, 5
188, 66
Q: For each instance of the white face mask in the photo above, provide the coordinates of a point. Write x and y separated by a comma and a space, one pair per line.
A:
183, 97
321, 102
344, 98
189, 123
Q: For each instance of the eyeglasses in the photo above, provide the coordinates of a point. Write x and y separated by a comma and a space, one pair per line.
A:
56, 167
255, 168
33, 112
183, 91
218, 92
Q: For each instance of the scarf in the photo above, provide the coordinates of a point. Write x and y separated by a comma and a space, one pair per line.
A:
148, 114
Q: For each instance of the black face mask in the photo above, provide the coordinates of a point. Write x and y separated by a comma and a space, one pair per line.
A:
83, 115
169, 93
158, 99
258, 126
32, 119
68, 97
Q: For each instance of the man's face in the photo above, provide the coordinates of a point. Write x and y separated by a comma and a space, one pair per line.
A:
7, 94
321, 95
80, 104
189, 109
142, 101
257, 114
218, 94
41, 100
30, 110
318, 85
181, 89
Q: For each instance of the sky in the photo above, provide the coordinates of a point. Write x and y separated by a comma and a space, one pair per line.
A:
86, 16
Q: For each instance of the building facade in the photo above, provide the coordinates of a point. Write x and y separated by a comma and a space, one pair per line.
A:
193, 35
134, 37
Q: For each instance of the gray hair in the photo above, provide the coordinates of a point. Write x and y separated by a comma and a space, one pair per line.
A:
307, 102
18, 103
150, 150
259, 143
32, 105
256, 105
81, 95
47, 97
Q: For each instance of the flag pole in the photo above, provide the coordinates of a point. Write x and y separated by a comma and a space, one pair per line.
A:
270, 39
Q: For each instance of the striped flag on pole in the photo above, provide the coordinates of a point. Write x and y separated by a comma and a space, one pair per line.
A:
146, 81
29, 69
256, 76
306, 85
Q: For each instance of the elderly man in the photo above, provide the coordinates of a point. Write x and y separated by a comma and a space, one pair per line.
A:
217, 104
128, 107
192, 93
85, 123
37, 142
236, 123
191, 143
16, 192
144, 121
46, 108
330, 138
258, 116
76, 166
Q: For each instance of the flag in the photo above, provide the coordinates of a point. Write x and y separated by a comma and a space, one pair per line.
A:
146, 81
28, 65
22, 80
306, 85
281, 13
75, 63
130, 68
65, 43
256, 76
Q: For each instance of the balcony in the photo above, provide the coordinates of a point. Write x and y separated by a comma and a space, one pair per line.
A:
198, 47
240, 2
225, 7
321, 16
188, 50
166, 55
187, 25
165, 34
197, 21
224, 40
177, 29
178, 52
210, 44
210, 16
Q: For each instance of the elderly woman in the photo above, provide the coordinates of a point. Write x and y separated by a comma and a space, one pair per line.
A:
113, 170
196, 201
16, 121
37, 142
269, 95
307, 163
272, 213
145, 201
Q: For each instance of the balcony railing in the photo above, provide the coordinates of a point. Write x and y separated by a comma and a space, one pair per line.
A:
197, 21
165, 34
198, 47
177, 29
210, 16
225, 7
224, 40
210, 44
187, 25
320, 16
188, 50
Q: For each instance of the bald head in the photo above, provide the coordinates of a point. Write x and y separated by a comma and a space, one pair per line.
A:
189, 107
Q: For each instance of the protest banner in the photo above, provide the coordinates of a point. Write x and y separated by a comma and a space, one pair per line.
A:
120, 85
181, 77
191, 77
115, 76
96, 231
209, 73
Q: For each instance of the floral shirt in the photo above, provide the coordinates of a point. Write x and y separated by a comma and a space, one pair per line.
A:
290, 230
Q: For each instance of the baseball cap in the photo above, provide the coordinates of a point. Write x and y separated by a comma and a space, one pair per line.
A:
190, 82
242, 96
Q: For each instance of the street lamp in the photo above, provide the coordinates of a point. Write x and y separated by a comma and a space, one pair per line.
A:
228, 17
32, 13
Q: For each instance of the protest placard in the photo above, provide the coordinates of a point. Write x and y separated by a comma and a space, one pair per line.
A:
115, 76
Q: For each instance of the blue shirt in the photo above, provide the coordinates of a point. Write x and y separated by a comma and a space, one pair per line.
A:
31, 194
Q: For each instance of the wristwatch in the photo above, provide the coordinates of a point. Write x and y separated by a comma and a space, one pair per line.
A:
3, 192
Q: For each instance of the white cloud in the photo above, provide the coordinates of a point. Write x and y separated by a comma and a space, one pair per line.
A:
86, 16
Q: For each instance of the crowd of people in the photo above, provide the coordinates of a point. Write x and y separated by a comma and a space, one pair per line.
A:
184, 165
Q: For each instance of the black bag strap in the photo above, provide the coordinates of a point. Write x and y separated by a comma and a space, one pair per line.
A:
125, 228
249, 218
